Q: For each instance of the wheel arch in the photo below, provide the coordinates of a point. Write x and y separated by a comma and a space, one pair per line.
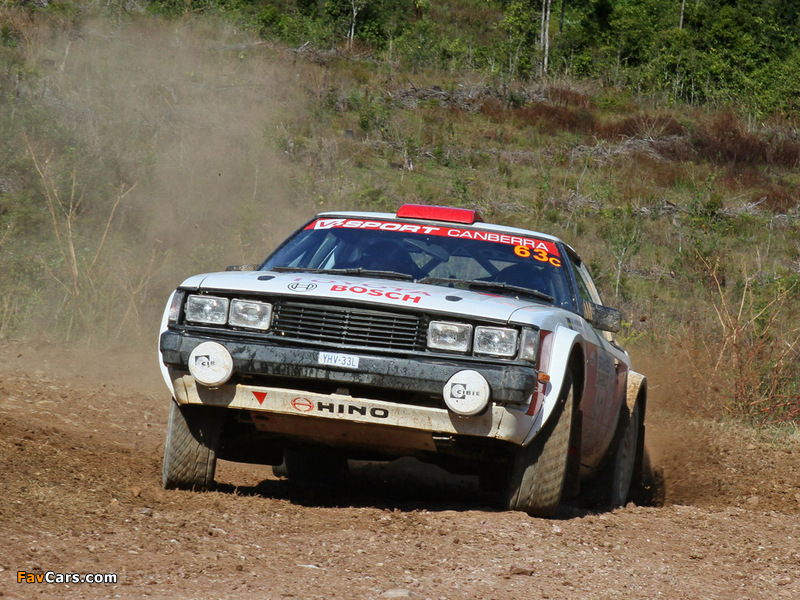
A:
637, 393
565, 353
577, 365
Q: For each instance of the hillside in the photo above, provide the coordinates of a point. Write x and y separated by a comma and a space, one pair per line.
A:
137, 150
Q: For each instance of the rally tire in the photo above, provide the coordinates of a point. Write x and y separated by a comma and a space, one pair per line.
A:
623, 465
537, 477
190, 450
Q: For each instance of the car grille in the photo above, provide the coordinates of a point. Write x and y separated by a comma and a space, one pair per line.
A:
348, 326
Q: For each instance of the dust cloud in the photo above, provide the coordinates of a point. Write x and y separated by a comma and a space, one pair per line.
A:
188, 113
702, 461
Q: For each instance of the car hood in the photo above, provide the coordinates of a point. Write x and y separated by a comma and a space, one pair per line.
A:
380, 292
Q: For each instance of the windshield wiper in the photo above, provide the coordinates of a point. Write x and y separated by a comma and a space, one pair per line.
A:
355, 271
488, 285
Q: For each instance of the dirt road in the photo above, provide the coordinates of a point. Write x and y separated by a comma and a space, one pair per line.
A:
80, 454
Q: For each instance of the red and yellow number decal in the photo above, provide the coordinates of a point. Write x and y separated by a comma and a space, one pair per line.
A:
539, 254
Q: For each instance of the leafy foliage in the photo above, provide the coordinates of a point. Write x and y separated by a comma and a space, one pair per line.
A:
708, 51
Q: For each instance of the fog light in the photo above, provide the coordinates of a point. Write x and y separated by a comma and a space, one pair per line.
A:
211, 364
466, 393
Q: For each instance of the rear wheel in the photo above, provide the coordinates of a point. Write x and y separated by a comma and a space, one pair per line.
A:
624, 460
615, 480
190, 450
539, 470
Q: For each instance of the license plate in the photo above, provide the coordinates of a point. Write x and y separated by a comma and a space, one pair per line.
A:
334, 359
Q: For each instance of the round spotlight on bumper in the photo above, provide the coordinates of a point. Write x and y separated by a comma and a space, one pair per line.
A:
211, 364
466, 393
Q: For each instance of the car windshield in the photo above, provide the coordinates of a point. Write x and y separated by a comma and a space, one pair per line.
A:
488, 261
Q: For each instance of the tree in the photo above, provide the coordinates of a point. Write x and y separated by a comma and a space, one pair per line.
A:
355, 6
545, 34
623, 234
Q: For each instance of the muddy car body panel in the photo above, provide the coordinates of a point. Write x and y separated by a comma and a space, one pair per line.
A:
425, 333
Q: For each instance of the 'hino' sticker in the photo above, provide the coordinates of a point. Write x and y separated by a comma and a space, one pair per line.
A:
334, 359
339, 408
302, 286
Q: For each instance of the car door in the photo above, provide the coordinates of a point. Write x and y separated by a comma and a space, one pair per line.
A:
605, 376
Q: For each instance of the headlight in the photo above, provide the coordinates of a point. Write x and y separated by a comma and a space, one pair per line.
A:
496, 341
529, 345
207, 309
250, 314
454, 337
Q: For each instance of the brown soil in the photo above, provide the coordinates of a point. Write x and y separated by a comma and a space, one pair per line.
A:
80, 452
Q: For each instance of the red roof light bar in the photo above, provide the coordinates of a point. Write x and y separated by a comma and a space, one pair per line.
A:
448, 214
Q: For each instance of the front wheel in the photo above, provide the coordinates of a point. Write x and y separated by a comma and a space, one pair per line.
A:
537, 476
190, 450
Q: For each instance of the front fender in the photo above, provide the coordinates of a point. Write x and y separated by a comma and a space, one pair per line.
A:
554, 361
162, 367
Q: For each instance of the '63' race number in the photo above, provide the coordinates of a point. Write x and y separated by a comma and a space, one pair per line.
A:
539, 254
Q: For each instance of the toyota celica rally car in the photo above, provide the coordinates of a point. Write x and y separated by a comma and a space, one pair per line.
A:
428, 333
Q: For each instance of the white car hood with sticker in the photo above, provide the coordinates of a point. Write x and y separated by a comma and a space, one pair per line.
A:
379, 292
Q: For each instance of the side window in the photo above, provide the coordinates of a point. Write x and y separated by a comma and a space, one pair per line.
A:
588, 284
583, 287
587, 290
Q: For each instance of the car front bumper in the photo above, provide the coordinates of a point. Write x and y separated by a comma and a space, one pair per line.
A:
358, 418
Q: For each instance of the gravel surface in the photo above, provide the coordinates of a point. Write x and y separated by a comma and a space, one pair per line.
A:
80, 470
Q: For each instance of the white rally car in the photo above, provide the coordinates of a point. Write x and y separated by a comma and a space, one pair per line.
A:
482, 348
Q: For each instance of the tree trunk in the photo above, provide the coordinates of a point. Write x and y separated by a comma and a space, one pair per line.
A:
541, 26
352, 32
544, 36
356, 6
546, 40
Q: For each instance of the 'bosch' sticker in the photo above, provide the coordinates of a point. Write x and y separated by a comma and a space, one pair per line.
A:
360, 289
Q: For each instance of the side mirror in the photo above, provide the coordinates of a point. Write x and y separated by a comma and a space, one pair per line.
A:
251, 267
604, 318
